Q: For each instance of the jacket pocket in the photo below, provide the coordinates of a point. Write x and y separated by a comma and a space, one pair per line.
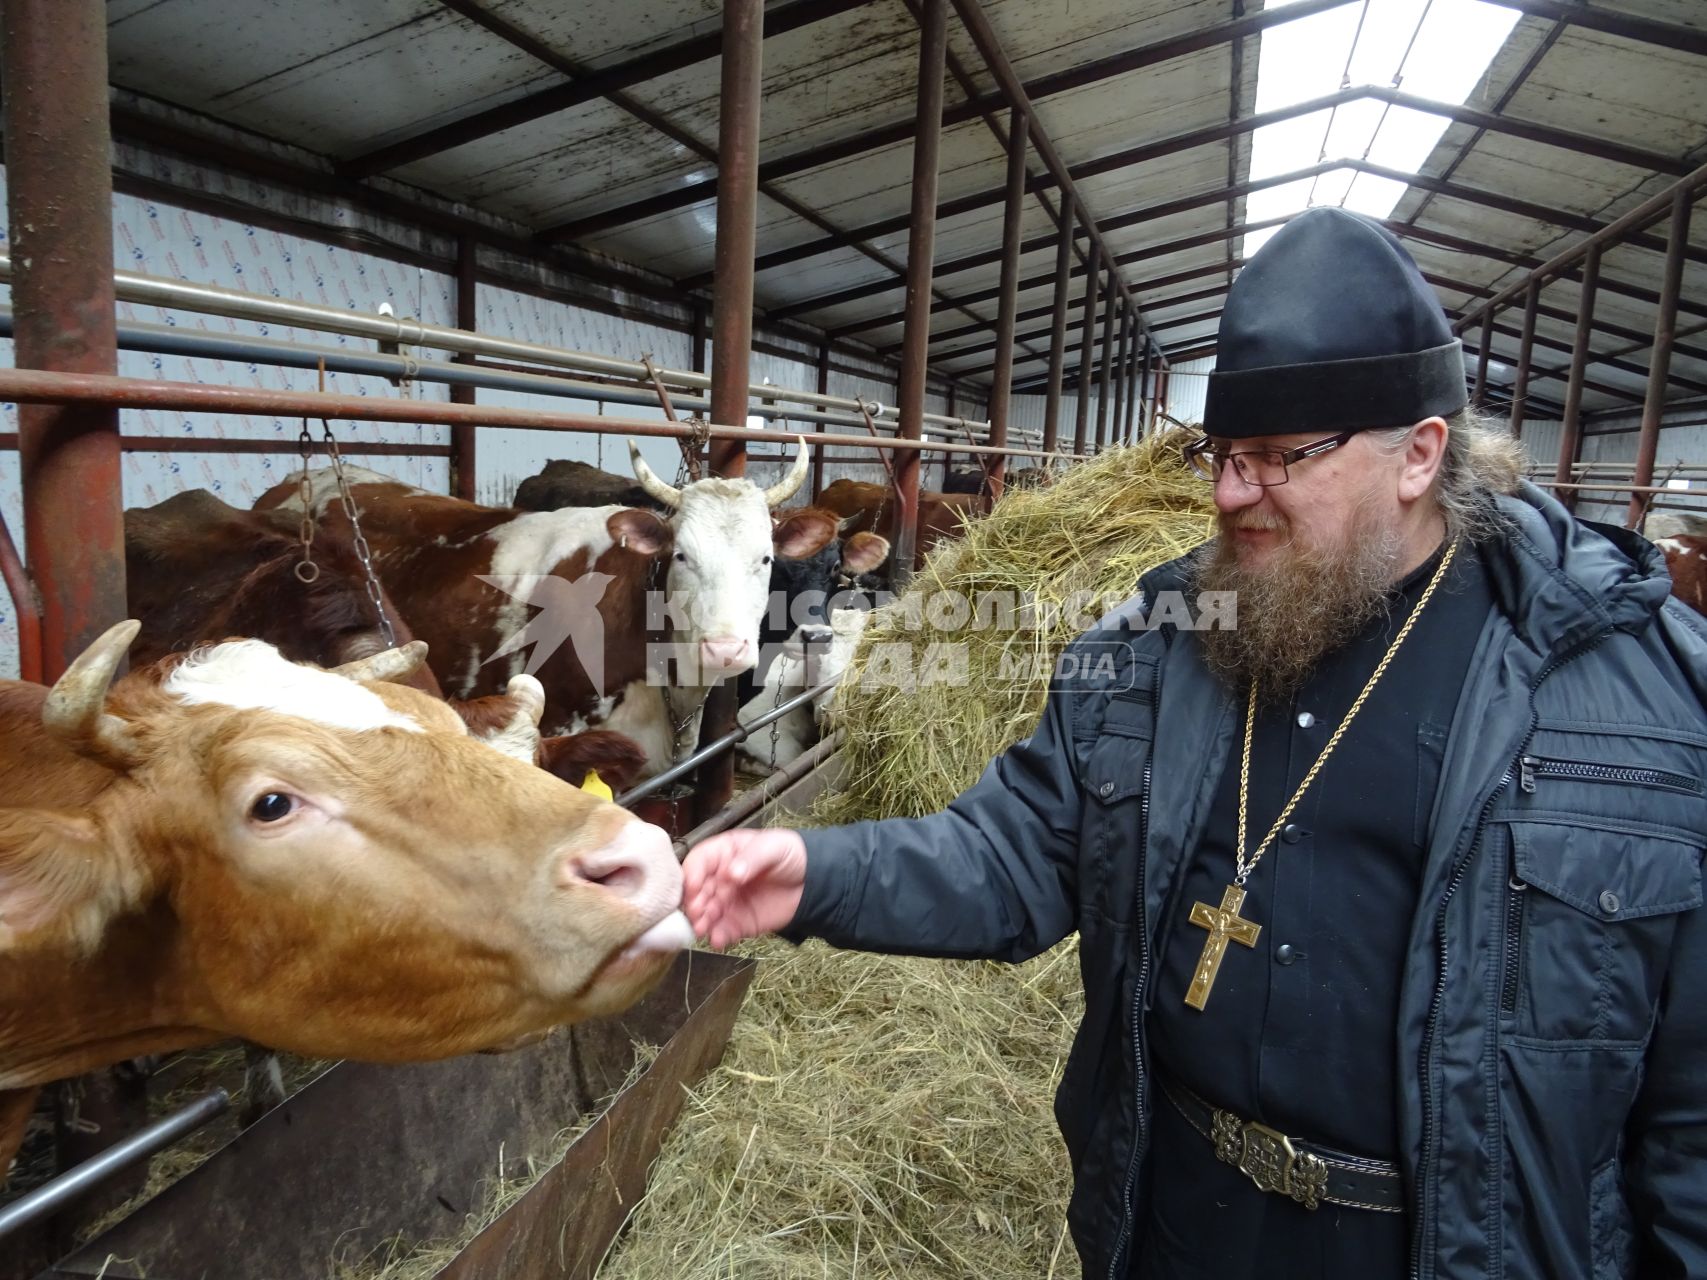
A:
1590, 912
1611, 1228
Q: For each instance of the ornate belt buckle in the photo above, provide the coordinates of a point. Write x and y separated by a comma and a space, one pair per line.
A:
1266, 1156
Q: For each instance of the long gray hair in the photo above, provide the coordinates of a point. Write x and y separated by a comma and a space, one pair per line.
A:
1481, 460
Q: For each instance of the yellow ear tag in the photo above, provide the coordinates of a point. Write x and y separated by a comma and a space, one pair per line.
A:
597, 785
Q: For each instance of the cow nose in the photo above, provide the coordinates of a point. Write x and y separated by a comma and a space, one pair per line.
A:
728, 653
637, 866
813, 637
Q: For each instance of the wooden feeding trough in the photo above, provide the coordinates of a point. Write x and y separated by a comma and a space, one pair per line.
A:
367, 1154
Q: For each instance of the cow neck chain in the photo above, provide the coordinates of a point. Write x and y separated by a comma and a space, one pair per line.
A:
1244, 867
307, 570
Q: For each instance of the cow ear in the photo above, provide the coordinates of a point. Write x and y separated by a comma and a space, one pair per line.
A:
863, 552
806, 532
639, 531
60, 884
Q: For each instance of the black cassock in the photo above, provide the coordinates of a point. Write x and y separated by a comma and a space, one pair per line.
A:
1299, 1031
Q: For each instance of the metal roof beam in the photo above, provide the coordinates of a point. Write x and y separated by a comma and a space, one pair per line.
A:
1119, 222
985, 348
1580, 143
1013, 89
1667, 35
901, 130
584, 86
527, 44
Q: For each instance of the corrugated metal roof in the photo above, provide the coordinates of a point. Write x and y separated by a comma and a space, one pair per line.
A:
345, 80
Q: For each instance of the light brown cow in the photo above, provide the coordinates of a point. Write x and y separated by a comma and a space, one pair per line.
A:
874, 507
585, 588
326, 863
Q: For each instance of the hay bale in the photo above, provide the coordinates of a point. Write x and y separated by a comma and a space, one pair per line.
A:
1073, 549
887, 1116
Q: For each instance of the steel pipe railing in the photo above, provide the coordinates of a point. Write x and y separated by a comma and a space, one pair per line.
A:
32, 386
752, 801
212, 300
51, 1197
161, 339
733, 738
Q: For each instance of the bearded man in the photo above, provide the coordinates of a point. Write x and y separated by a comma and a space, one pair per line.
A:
1389, 897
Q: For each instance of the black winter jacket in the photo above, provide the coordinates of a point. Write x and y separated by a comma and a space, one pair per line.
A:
1551, 1053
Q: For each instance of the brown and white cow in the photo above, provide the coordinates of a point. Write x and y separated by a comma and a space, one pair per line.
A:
199, 571
874, 508
1686, 557
483, 585
327, 863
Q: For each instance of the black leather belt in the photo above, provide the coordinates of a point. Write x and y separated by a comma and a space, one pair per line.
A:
1308, 1173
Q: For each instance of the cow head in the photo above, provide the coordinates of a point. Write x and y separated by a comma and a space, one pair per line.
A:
803, 591
324, 861
721, 542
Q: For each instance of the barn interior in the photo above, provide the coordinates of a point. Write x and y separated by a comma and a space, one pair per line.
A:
474, 236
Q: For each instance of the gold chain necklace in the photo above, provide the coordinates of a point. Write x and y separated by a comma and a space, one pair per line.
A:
1224, 922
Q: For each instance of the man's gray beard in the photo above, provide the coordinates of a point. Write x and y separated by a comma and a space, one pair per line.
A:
1296, 609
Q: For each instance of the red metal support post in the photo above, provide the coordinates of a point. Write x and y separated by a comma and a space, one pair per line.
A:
58, 147
1570, 436
732, 315
60, 215
1118, 429
737, 210
1103, 386
463, 449
921, 250
1140, 340
1659, 361
1144, 367
1479, 394
1525, 357
1058, 330
823, 388
1087, 342
1013, 214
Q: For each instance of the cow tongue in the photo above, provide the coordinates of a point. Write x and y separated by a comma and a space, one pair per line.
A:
672, 933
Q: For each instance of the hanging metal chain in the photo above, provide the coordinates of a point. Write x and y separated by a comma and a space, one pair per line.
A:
357, 537
692, 445
306, 570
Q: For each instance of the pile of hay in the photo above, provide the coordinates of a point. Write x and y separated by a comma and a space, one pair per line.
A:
1083, 543
880, 1116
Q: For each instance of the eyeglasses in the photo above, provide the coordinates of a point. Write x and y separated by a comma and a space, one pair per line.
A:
1260, 467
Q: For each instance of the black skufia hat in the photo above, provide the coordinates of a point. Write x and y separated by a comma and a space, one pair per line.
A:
1331, 327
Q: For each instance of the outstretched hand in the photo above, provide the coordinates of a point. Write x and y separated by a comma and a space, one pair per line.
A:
743, 883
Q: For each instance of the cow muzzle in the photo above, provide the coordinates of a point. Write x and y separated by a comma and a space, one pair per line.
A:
637, 867
726, 654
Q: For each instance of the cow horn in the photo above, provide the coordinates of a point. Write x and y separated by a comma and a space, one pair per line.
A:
789, 485
669, 496
75, 711
387, 664
529, 694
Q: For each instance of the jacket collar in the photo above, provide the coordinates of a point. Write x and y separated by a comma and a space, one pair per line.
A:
1561, 579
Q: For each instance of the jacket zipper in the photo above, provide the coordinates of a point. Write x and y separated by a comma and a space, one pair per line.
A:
1533, 767
1514, 900
1423, 1167
1136, 1027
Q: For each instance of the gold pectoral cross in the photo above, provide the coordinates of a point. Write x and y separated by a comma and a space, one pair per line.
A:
1223, 922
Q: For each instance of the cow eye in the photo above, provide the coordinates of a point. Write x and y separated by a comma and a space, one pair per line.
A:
681, 557
272, 807
766, 560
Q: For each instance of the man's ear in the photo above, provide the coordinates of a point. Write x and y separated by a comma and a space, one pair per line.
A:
1425, 453
60, 885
